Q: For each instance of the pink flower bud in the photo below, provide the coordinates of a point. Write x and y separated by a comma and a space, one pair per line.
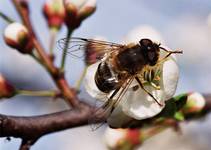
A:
133, 136
78, 10
17, 36
117, 139
6, 90
53, 11
88, 9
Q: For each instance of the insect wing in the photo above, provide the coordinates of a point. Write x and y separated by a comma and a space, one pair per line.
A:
89, 48
101, 114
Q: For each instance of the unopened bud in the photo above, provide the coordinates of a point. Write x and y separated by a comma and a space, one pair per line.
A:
17, 36
114, 137
195, 103
88, 9
117, 139
53, 11
78, 10
6, 89
133, 136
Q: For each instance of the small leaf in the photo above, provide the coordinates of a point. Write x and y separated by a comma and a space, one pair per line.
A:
180, 101
179, 116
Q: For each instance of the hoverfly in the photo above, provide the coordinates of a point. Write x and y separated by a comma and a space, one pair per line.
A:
120, 64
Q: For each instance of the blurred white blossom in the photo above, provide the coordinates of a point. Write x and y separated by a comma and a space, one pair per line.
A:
195, 102
114, 136
17, 36
78, 10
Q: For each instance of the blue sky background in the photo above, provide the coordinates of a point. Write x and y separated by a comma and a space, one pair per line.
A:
183, 24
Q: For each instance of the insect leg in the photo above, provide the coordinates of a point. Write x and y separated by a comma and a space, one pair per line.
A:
105, 111
101, 114
137, 79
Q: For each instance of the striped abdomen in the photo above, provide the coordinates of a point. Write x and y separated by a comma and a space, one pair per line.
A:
105, 78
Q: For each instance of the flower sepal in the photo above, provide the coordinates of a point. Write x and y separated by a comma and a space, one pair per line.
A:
54, 13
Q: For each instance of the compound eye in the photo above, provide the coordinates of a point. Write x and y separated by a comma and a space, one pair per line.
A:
146, 42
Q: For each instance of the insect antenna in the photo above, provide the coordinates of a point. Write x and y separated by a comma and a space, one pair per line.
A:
169, 53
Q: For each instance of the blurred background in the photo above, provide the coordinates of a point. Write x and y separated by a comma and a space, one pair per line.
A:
184, 25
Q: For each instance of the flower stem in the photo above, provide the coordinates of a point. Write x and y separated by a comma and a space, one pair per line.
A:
79, 81
6, 18
148, 133
38, 93
53, 33
65, 49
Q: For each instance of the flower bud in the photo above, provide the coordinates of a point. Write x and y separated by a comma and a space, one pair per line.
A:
53, 11
6, 89
78, 10
88, 9
114, 137
195, 103
17, 36
122, 138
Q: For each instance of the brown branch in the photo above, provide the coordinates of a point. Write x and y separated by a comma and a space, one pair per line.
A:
25, 145
32, 128
58, 77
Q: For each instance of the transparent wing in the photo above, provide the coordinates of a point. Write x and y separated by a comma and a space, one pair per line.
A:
78, 46
101, 114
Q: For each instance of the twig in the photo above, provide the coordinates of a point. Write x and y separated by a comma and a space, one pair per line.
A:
79, 81
53, 33
51, 93
25, 145
6, 18
65, 49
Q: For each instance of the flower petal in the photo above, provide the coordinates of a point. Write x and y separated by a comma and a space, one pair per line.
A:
170, 77
140, 105
77, 3
90, 85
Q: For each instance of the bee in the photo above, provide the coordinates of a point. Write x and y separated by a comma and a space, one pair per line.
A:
119, 65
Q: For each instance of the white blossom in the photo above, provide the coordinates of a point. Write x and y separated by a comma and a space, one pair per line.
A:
138, 104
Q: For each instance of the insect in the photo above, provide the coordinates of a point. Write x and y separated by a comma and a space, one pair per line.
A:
120, 64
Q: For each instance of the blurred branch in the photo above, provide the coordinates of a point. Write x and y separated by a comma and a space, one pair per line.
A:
32, 128
53, 33
52, 93
25, 145
68, 93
